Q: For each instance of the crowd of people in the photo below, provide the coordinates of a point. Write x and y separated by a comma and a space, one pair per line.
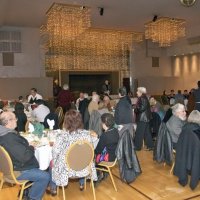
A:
108, 124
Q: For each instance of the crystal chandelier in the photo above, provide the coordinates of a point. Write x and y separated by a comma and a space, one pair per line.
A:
165, 30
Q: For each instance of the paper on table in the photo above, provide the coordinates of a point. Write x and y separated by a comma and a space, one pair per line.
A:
30, 127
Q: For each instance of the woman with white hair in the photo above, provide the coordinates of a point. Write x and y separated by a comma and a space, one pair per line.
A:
176, 122
143, 117
193, 123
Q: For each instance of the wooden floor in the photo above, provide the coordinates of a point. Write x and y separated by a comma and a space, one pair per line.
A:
155, 183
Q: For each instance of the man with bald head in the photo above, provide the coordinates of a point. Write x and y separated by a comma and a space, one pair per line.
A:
22, 156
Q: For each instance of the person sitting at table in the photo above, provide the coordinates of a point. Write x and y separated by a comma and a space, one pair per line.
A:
21, 117
74, 131
109, 139
40, 111
176, 122
1, 106
22, 156
34, 96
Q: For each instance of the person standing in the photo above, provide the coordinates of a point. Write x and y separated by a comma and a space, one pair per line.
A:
106, 88
143, 117
123, 110
65, 98
197, 97
56, 90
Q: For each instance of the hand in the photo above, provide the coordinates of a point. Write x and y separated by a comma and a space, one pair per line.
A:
93, 133
33, 143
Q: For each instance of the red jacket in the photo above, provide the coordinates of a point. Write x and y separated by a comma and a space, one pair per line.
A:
65, 97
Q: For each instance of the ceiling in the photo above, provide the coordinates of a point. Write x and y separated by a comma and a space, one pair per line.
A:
118, 14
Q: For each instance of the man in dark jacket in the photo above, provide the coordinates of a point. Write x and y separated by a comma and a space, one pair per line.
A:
143, 117
123, 111
197, 97
22, 156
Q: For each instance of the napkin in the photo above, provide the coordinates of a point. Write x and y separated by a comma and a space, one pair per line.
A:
51, 123
30, 127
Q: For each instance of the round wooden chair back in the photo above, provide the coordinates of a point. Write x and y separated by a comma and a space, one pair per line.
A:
6, 167
80, 155
59, 112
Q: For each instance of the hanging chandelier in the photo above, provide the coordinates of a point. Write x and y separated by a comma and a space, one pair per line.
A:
65, 22
71, 45
95, 49
165, 30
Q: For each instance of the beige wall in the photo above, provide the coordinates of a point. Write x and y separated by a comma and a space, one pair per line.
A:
29, 63
12, 88
180, 72
170, 75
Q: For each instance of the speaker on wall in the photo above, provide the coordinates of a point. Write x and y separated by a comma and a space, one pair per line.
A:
8, 58
155, 61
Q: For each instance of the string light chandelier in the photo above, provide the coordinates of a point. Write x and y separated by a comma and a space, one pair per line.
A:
65, 22
165, 30
72, 45
96, 49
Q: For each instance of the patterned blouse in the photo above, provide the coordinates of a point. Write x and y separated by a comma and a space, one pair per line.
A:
60, 171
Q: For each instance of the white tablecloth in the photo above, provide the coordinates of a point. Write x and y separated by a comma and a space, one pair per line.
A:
44, 156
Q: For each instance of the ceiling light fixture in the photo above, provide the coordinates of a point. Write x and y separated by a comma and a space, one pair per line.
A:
71, 45
165, 30
188, 3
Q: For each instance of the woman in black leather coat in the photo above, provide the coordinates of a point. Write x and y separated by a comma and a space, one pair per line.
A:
143, 117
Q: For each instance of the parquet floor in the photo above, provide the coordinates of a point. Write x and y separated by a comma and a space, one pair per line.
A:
155, 183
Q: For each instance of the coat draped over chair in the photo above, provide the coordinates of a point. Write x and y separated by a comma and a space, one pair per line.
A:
187, 160
129, 166
163, 151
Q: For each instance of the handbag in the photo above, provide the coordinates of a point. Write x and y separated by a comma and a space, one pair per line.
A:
103, 156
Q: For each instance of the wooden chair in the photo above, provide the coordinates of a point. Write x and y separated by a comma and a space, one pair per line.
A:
8, 175
59, 112
26, 126
106, 167
173, 164
80, 156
